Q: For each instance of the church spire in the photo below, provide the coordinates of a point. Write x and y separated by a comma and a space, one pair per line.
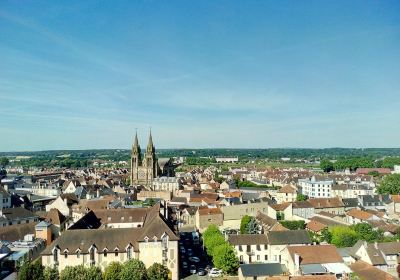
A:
150, 145
136, 142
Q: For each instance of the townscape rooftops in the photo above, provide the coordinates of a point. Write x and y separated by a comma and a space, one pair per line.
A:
369, 272
319, 203
262, 269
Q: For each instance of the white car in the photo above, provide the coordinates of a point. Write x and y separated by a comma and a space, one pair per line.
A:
193, 269
215, 272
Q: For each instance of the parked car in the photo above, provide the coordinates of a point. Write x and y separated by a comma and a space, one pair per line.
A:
201, 272
185, 265
193, 269
215, 272
183, 251
190, 252
194, 259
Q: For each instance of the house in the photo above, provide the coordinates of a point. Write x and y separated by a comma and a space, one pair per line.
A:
153, 242
380, 255
286, 194
367, 171
316, 187
303, 209
256, 271
268, 224
266, 248
356, 216
331, 205
63, 203
16, 216
206, 216
250, 247
234, 213
57, 220
366, 271
308, 260
379, 201
187, 217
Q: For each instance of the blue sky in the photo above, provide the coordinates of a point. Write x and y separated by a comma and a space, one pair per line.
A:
245, 74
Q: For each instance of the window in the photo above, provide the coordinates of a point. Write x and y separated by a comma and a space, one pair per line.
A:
105, 253
65, 255
129, 252
91, 253
55, 256
266, 257
78, 254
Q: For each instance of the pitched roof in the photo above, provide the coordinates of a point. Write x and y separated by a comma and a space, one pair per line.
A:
359, 214
319, 203
315, 226
55, 217
314, 277
16, 232
312, 254
288, 237
262, 269
368, 272
287, 189
17, 213
204, 210
301, 204
247, 239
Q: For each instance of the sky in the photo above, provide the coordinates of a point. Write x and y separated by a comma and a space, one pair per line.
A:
202, 74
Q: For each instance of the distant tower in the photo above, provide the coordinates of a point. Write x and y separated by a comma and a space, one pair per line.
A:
143, 171
136, 161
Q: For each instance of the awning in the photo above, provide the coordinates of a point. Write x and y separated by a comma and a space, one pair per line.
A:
337, 268
312, 269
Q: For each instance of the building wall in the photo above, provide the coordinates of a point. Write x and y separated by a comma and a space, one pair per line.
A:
61, 205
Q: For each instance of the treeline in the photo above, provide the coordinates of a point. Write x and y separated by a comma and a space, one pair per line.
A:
247, 184
132, 269
358, 162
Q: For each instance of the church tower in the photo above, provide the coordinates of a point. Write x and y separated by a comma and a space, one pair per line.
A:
150, 161
136, 160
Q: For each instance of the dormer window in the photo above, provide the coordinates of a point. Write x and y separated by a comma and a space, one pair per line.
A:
146, 239
105, 252
65, 253
116, 251
91, 255
78, 253
155, 238
129, 252
55, 255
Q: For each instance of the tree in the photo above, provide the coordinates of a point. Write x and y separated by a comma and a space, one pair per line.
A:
93, 273
244, 223
73, 273
390, 184
31, 271
113, 271
4, 162
301, 197
50, 273
133, 269
252, 226
343, 236
326, 165
212, 237
226, 259
326, 235
367, 233
293, 225
157, 272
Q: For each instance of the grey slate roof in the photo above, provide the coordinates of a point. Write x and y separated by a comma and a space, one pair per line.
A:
288, 237
247, 239
262, 269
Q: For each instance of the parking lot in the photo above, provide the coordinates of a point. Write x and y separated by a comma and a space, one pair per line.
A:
188, 252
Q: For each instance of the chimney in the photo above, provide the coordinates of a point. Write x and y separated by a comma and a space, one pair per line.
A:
297, 261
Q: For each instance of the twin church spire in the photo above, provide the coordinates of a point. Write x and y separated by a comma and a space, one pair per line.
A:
143, 170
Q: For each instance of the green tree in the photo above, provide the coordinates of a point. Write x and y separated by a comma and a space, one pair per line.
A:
50, 273
157, 272
367, 233
293, 225
326, 165
31, 271
93, 273
244, 223
390, 184
343, 236
112, 271
4, 162
226, 259
326, 235
133, 269
301, 197
73, 272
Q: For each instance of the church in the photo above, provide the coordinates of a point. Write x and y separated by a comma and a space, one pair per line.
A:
144, 170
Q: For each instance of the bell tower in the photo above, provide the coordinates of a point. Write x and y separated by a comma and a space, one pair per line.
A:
136, 160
